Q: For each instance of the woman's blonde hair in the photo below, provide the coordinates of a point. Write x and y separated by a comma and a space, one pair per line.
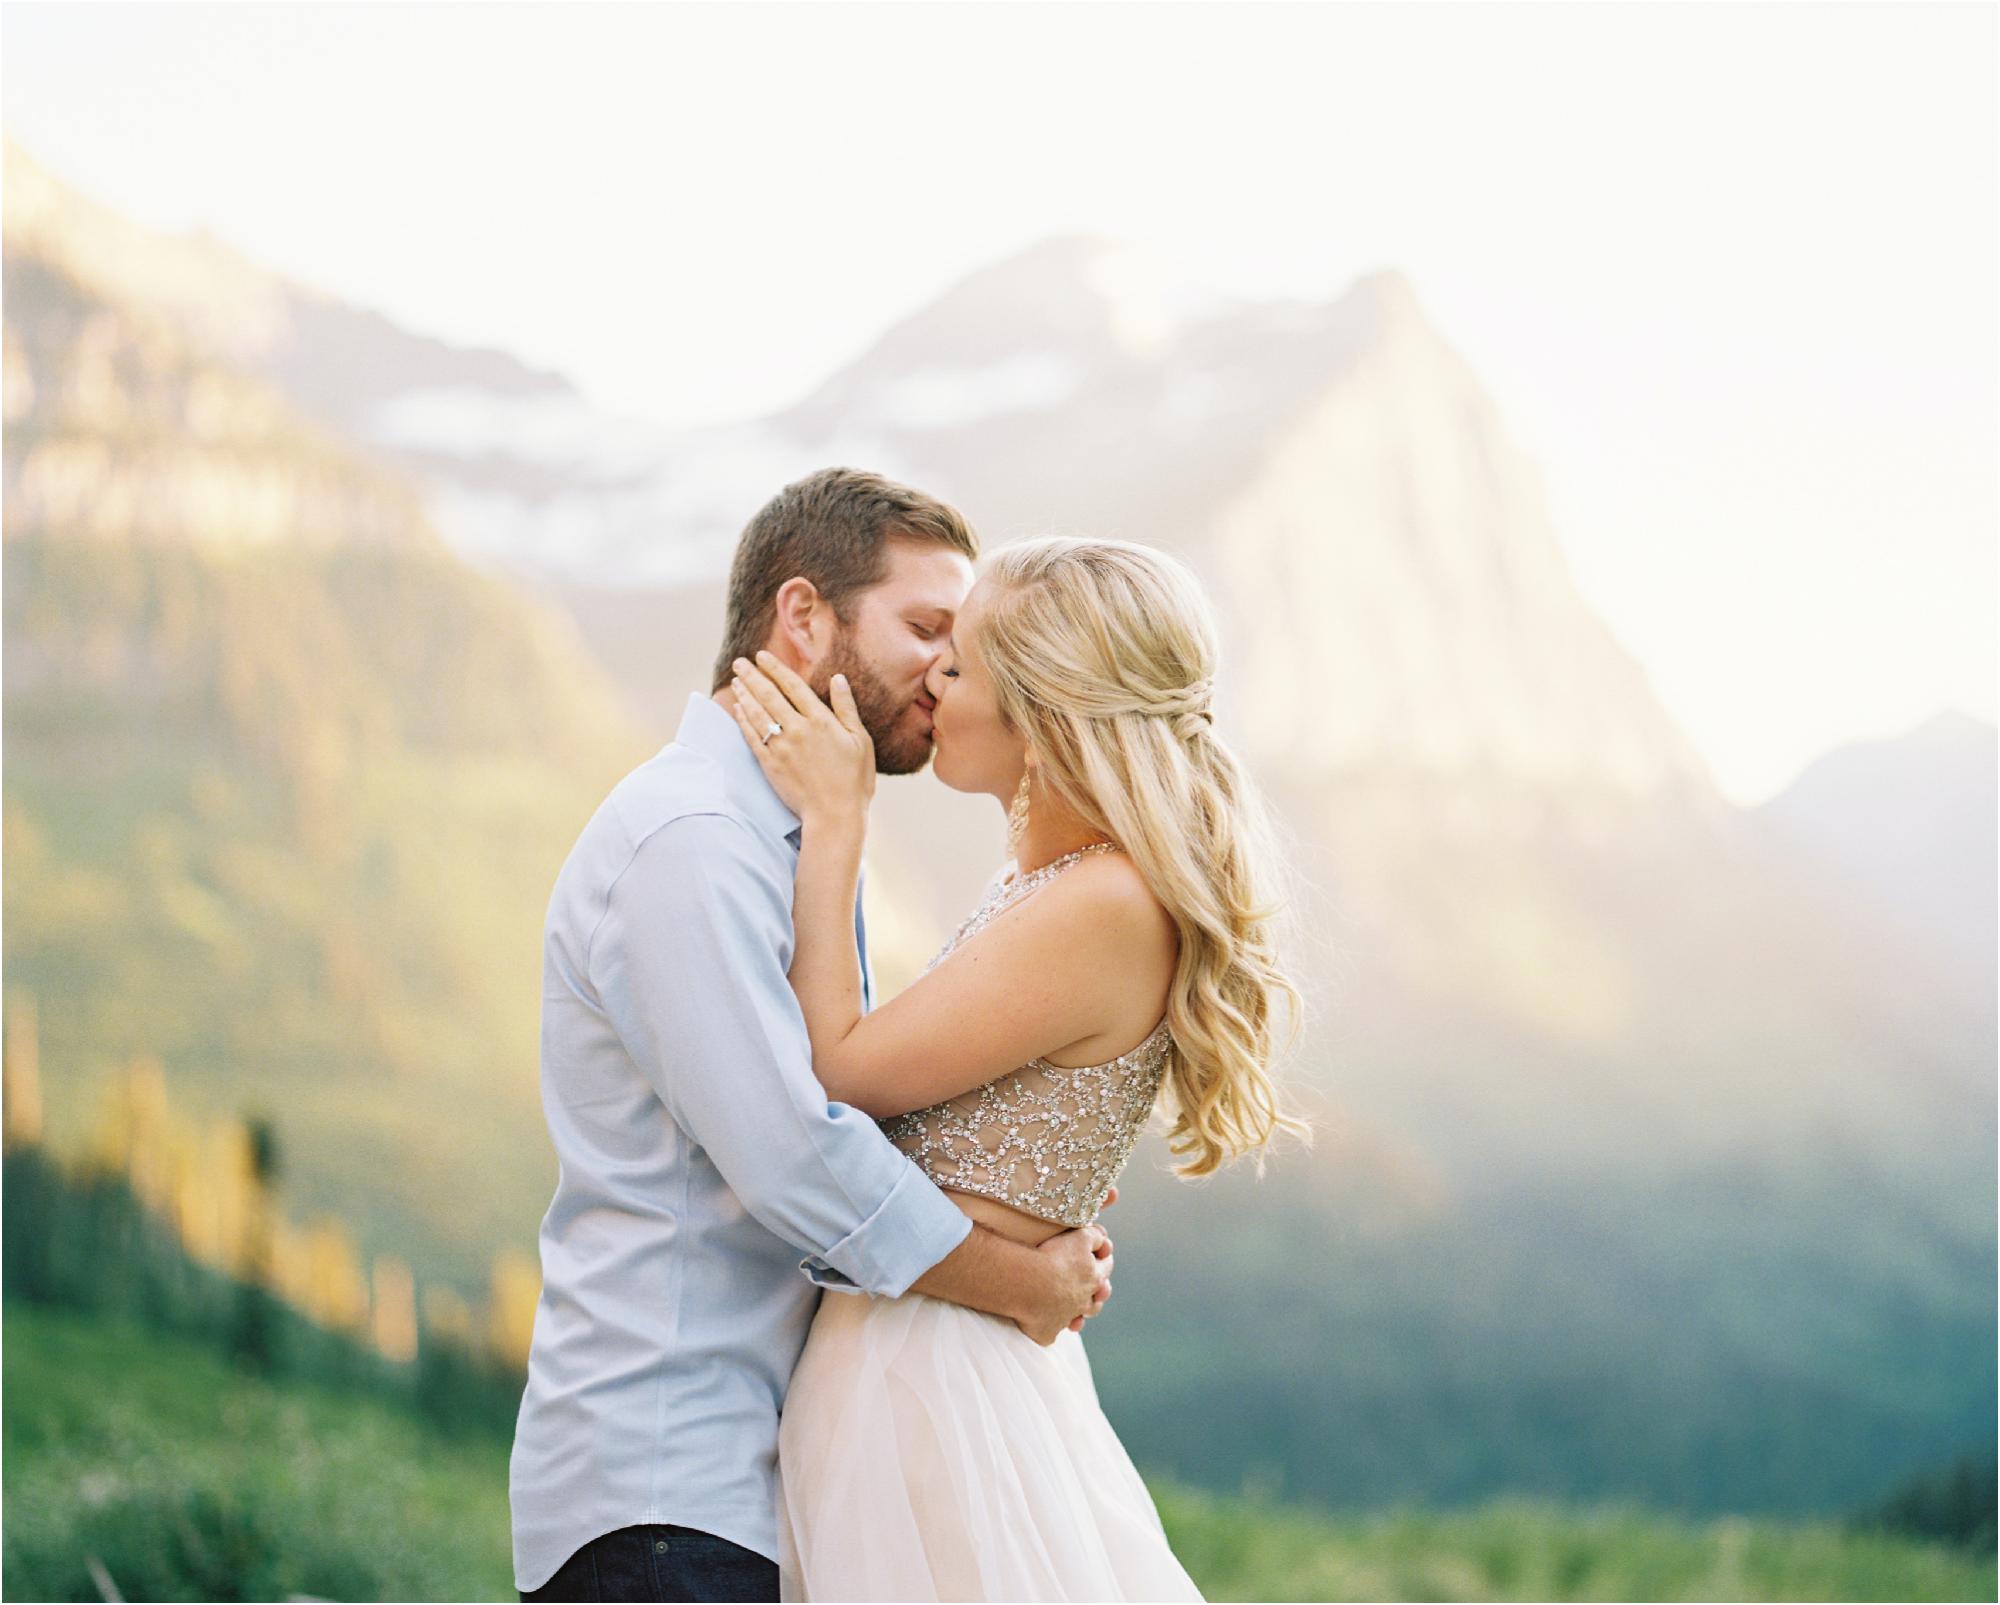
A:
1102, 655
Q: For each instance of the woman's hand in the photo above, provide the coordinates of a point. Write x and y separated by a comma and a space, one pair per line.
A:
822, 761
823, 765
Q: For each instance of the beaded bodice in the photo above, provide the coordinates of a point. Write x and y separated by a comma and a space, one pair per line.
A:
1043, 1138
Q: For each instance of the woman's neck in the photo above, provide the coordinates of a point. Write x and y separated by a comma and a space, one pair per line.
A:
1053, 830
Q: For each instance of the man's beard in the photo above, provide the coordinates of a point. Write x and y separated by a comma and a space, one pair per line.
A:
896, 752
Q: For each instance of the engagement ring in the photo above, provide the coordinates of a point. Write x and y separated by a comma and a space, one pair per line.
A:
776, 729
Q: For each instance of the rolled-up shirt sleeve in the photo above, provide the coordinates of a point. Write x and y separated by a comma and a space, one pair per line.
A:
689, 962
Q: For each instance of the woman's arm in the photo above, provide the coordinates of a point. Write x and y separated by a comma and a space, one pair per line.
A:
823, 766
826, 966
1042, 976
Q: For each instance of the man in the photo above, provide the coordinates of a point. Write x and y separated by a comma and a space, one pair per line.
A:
699, 1156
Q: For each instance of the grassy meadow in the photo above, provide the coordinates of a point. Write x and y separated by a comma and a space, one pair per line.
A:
182, 1478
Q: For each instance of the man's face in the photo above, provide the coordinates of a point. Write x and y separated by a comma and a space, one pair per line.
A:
896, 632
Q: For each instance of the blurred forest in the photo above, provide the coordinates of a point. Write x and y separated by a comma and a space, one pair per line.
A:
186, 1376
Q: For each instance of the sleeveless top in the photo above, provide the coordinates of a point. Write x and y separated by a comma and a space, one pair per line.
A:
1044, 1138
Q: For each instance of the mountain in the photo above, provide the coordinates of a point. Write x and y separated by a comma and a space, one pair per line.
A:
1490, 806
286, 781
1654, 1160
498, 445
1610, 1081
1907, 824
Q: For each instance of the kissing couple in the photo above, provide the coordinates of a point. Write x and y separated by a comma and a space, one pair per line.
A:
725, 1096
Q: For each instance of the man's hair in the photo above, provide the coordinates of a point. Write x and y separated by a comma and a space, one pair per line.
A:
832, 528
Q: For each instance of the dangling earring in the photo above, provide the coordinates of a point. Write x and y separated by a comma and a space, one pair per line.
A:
1017, 818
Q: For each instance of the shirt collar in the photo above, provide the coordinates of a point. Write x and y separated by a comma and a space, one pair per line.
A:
710, 729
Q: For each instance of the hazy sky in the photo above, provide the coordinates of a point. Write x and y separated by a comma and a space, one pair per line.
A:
1729, 269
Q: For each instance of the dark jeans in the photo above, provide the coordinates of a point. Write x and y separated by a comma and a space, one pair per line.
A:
662, 1563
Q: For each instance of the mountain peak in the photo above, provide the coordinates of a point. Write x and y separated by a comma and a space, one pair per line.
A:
1384, 304
1096, 299
222, 303
1388, 291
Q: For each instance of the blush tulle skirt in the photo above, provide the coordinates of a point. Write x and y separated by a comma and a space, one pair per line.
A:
930, 1452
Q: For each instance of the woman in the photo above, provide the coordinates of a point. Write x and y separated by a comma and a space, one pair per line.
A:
928, 1451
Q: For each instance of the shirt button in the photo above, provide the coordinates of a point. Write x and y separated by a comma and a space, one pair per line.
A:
659, 1546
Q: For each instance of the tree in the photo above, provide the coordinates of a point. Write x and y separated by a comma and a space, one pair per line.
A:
253, 1337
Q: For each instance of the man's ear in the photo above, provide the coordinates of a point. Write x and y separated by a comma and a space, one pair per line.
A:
803, 624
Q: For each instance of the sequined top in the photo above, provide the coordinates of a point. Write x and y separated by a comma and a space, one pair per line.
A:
1044, 1138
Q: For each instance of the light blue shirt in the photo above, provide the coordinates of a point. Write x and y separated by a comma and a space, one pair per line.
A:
699, 1158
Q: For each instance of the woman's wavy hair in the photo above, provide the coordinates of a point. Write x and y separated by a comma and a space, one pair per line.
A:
1102, 655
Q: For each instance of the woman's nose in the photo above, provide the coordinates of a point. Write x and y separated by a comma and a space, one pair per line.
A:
934, 677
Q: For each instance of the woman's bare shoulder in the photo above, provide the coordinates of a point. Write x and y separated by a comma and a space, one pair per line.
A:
1107, 891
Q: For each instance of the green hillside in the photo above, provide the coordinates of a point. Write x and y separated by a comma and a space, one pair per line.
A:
286, 782
1663, 1344
287, 820
184, 1479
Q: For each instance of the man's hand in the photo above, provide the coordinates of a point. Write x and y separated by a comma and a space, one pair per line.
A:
1104, 1288
1079, 1280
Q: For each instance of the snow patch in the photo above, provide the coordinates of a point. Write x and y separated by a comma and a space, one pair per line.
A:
677, 524
551, 431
